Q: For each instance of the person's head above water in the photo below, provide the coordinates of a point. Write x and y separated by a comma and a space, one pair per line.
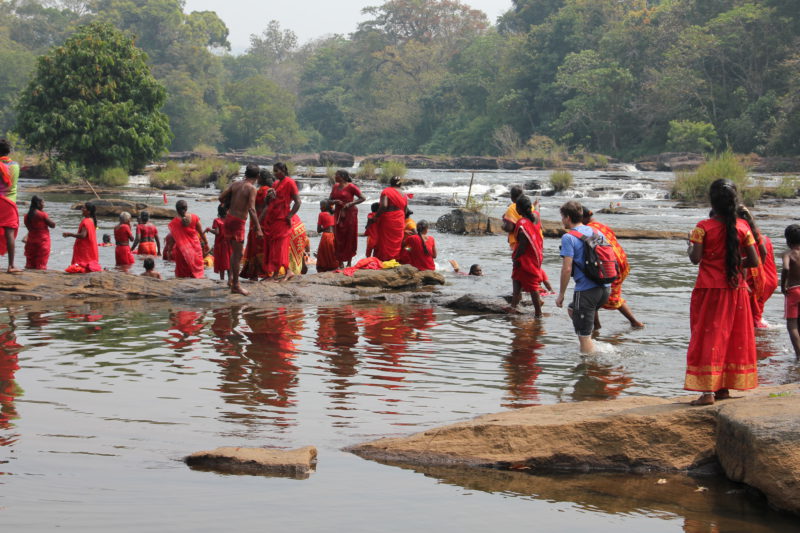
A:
149, 264
475, 270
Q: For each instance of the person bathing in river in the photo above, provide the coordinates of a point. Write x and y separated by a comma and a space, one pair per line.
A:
150, 269
327, 260
474, 270
615, 299
722, 347
421, 248
527, 273
222, 246
790, 285
240, 199
390, 221
345, 196
146, 241
371, 230
763, 279
84, 252
37, 244
123, 235
588, 296
187, 235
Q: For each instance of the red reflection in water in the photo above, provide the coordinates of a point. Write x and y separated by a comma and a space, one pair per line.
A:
521, 363
337, 334
87, 317
9, 390
392, 328
37, 319
227, 342
185, 327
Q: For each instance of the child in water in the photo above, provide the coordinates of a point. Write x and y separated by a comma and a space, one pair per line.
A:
474, 270
106, 240
149, 269
790, 285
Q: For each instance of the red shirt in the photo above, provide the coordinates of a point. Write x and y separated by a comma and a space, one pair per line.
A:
325, 220
711, 233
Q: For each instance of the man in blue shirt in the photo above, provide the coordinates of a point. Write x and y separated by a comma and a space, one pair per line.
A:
588, 296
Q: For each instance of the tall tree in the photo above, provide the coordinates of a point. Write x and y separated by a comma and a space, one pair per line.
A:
95, 102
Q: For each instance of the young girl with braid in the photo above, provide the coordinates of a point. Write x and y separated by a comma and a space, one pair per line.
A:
722, 348
421, 248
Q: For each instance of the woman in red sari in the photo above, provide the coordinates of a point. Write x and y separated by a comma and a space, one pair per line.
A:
37, 245
527, 273
326, 253
256, 252
222, 246
391, 221
722, 348
345, 197
146, 239
421, 248
123, 235
84, 252
763, 279
187, 233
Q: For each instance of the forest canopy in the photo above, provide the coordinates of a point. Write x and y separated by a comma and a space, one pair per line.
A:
622, 77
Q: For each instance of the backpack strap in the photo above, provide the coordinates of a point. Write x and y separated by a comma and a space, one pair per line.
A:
577, 234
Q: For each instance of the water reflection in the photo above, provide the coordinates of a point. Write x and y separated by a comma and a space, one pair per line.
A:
9, 390
184, 329
521, 364
599, 381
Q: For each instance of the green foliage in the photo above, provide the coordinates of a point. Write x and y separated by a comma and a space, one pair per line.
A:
479, 204
194, 173
95, 102
787, 187
62, 172
691, 136
693, 186
367, 170
390, 169
561, 180
113, 177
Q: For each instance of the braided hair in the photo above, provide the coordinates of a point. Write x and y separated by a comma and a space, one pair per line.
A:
524, 208
724, 200
422, 228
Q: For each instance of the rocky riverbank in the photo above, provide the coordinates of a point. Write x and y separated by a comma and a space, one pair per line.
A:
753, 438
403, 284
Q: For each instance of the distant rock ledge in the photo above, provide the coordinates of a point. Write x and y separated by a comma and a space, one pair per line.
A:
753, 438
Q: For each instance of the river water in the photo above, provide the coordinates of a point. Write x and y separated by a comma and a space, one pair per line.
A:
99, 403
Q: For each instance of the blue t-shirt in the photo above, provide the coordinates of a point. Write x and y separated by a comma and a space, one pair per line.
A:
573, 247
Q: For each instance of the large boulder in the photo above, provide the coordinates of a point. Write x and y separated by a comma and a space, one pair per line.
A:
296, 464
758, 443
337, 159
463, 222
477, 163
113, 208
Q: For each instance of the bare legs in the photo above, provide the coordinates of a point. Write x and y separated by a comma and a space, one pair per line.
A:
233, 272
9, 236
516, 296
794, 335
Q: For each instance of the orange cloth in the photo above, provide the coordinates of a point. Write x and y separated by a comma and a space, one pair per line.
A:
762, 281
615, 299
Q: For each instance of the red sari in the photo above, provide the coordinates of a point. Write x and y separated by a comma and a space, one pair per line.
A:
722, 348
390, 225
256, 252
187, 252
279, 228
122, 253
37, 247
762, 281
84, 251
615, 299
416, 254
326, 253
147, 234
527, 268
222, 247
346, 229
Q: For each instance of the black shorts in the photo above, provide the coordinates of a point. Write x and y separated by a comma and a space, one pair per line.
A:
584, 305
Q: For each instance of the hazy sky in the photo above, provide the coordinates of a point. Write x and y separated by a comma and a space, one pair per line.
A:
307, 18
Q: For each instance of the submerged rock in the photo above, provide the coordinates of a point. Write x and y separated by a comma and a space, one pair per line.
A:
110, 208
296, 464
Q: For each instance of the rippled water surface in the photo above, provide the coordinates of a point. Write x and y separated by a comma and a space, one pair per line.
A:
99, 403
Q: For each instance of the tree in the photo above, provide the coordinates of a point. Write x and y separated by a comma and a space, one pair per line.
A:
691, 136
94, 101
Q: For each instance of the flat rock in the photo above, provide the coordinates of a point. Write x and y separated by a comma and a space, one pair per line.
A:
52, 285
758, 443
463, 222
113, 208
296, 464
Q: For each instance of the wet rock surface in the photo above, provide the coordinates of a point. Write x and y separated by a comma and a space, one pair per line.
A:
463, 222
403, 283
109, 208
295, 464
634, 434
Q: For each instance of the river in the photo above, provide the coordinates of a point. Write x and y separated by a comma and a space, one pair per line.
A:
99, 403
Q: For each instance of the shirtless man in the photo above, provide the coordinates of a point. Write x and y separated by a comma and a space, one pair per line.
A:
240, 197
790, 285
